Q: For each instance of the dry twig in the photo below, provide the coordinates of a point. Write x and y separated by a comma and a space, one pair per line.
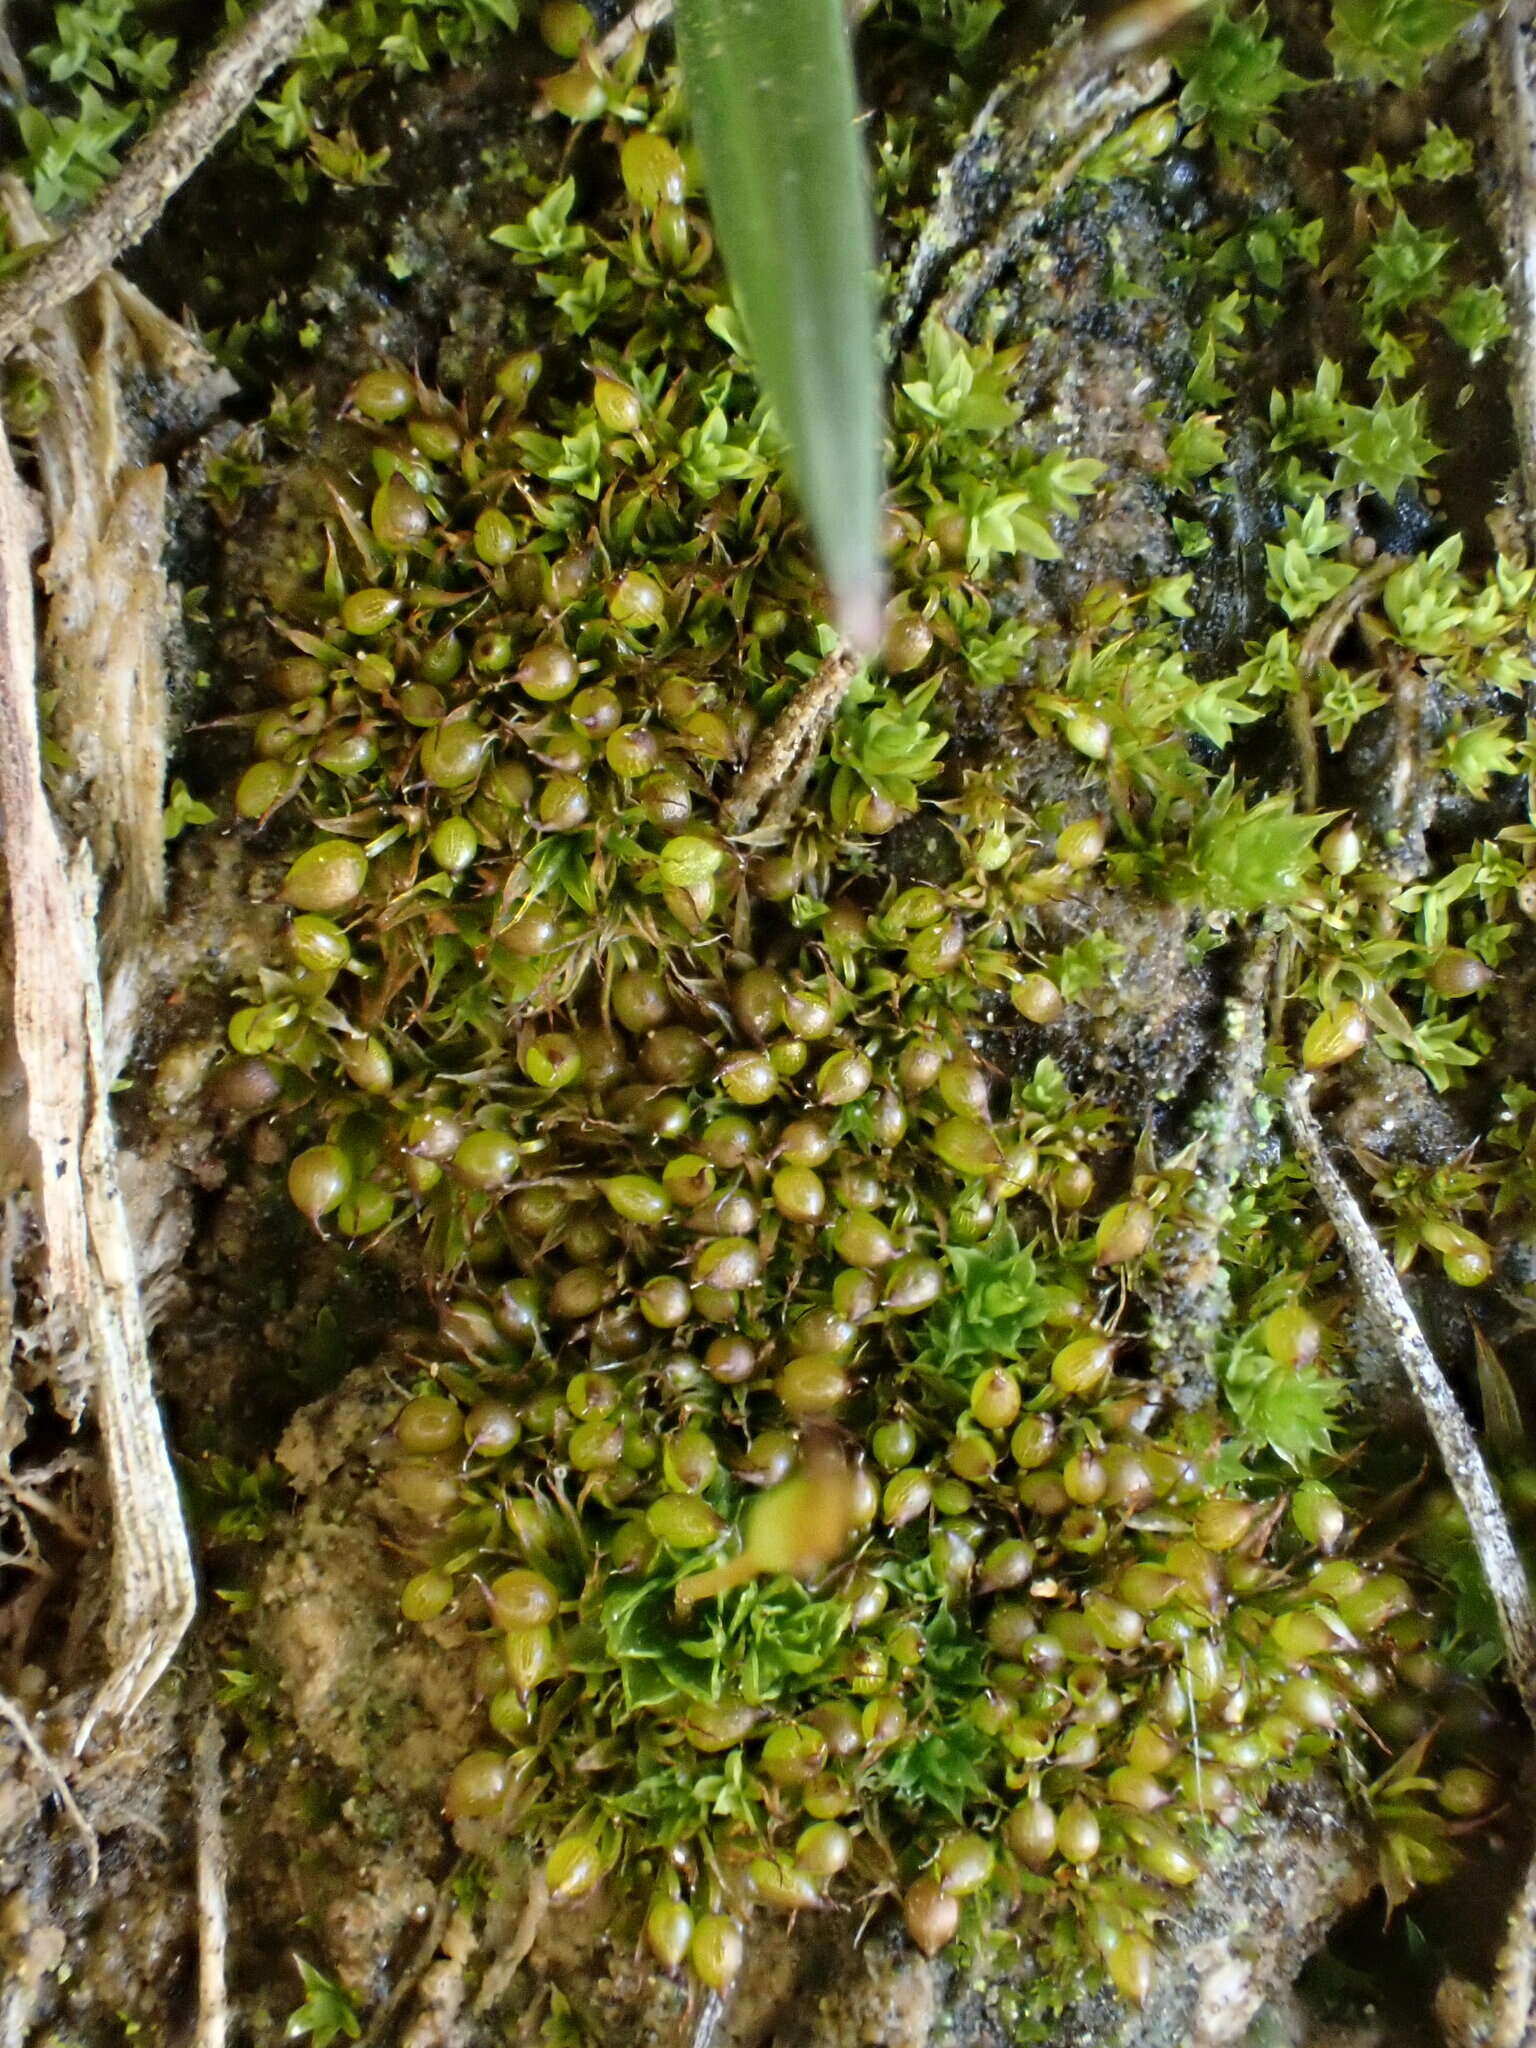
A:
57, 1014
156, 167
25, 1735
1387, 1308
212, 1885
783, 756
1512, 87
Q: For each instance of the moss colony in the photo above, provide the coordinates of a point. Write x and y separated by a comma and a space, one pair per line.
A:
816, 1468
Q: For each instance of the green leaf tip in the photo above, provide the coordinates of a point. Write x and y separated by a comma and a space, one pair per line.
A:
776, 115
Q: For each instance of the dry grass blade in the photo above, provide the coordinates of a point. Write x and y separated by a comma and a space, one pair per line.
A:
156, 167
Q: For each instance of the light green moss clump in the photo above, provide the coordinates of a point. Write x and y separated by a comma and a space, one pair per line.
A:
793, 1462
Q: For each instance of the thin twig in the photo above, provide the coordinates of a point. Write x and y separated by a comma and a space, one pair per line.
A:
651, 14
1386, 1306
212, 1885
1317, 646
422, 1956
13, 1714
640, 20
1512, 86
157, 166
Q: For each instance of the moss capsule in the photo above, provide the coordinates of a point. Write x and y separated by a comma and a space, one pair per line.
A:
1337, 1035
326, 877
715, 1951
477, 1785
318, 1179
932, 1915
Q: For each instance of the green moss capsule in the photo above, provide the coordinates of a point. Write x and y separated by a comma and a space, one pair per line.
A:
715, 1951
995, 1398
843, 1078
383, 395
668, 1927
367, 613
683, 1522
1124, 1233
453, 753
575, 1867
326, 877
426, 1596
1078, 1835
652, 171
454, 845
318, 1179
477, 1786
523, 1599
486, 1160
1335, 1036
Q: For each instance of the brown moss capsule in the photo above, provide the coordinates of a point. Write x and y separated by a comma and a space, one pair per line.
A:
729, 1263
908, 643
1457, 973
1030, 1832
932, 1915
675, 1057
577, 1294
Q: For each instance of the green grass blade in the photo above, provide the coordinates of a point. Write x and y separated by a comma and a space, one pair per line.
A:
771, 91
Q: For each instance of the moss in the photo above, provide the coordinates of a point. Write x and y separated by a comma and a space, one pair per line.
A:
542, 1020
